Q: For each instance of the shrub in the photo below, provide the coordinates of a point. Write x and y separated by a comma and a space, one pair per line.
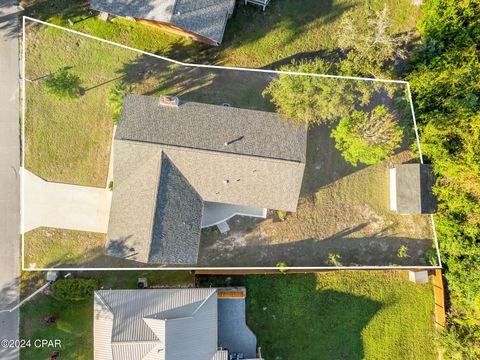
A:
431, 257
281, 214
74, 289
368, 137
402, 252
116, 96
63, 85
110, 186
282, 266
334, 259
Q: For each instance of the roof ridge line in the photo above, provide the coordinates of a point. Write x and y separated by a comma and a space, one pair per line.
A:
203, 302
187, 148
103, 301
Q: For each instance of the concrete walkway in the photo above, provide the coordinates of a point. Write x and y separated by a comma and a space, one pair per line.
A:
233, 332
65, 206
9, 178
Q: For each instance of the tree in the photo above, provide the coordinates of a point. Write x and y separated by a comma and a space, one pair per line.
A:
371, 44
63, 85
368, 137
312, 100
445, 82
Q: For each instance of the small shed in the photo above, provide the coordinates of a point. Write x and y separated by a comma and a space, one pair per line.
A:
411, 189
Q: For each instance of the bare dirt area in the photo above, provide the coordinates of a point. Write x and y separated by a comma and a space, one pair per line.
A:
343, 213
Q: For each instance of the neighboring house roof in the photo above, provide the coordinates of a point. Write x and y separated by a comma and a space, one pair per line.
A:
169, 160
413, 189
203, 17
163, 324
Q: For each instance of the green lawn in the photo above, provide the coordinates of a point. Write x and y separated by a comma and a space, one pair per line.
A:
349, 315
74, 326
252, 38
341, 315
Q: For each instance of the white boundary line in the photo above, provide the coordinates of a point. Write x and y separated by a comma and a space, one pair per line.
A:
22, 179
306, 268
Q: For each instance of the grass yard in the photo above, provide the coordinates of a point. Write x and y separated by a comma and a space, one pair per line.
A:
252, 38
74, 326
342, 211
349, 315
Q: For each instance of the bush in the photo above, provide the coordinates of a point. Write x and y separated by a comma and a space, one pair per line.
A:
116, 96
74, 289
334, 259
445, 82
63, 85
368, 137
282, 266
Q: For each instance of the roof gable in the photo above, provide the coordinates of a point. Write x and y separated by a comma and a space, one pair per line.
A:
139, 332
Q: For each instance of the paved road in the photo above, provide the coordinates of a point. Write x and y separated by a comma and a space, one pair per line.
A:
9, 174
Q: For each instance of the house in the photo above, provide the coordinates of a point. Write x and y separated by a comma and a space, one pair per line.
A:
181, 166
172, 324
200, 20
411, 189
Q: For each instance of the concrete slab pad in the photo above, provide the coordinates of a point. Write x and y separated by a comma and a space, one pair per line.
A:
64, 206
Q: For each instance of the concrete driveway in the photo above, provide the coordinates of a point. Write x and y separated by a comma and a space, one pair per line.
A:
64, 206
9, 178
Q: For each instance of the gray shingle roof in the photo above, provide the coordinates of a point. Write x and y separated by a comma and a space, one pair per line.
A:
155, 214
203, 17
177, 221
414, 189
209, 127
169, 324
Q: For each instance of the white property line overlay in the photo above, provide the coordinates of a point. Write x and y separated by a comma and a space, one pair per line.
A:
307, 268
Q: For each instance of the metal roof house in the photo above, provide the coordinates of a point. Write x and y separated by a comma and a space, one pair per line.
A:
171, 324
181, 166
411, 189
200, 20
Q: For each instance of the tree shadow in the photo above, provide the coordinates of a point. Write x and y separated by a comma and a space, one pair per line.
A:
9, 294
248, 23
276, 304
354, 250
9, 21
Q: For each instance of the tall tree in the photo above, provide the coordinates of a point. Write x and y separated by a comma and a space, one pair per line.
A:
63, 85
311, 100
371, 44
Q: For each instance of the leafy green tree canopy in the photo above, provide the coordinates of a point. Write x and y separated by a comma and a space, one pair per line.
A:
371, 44
368, 137
312, 100
63, 85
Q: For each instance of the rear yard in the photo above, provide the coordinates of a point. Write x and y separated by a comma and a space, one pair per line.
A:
339, 315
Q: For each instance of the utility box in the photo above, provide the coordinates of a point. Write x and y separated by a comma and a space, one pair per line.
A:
52, 276
418, 276
142, 283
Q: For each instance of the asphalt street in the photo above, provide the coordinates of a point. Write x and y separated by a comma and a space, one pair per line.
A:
9, 175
